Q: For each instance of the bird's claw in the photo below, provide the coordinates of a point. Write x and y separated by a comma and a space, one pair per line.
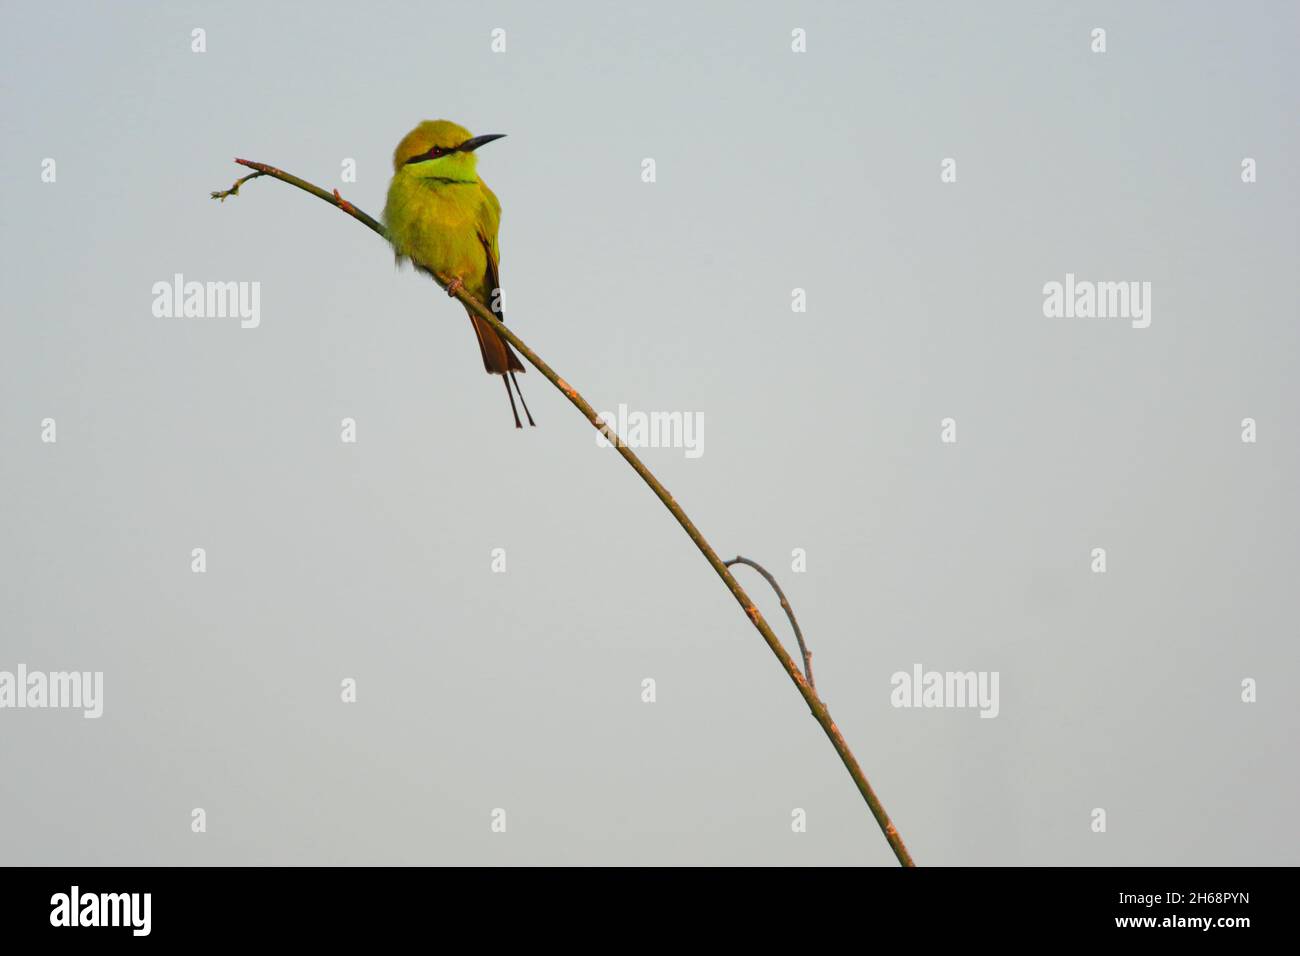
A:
455, 286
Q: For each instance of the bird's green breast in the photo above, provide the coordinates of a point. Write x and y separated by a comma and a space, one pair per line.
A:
437, 225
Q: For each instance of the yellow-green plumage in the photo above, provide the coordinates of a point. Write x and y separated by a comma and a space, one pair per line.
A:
444, 219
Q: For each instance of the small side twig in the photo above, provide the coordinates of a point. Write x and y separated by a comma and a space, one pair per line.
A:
789, 612
222, 194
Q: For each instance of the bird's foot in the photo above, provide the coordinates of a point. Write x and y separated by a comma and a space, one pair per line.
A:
455, 285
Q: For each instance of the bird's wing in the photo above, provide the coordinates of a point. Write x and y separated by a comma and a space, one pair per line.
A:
498, 356
489, 221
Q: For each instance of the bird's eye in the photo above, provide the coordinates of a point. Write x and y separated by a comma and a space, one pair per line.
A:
437, 151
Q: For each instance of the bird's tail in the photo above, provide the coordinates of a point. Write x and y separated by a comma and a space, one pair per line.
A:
500, 359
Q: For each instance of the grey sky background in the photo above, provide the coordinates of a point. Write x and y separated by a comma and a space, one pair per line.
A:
521, 690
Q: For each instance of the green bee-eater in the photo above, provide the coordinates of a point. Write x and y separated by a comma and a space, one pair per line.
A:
443, 218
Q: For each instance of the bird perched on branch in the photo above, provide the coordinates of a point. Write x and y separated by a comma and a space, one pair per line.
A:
443, 218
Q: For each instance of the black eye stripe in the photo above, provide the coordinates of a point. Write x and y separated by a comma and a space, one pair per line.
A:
434, 153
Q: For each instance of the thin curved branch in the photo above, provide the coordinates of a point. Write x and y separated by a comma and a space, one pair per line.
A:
789, 612
815, 704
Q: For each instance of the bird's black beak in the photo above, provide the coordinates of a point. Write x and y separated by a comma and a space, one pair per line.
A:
472, 144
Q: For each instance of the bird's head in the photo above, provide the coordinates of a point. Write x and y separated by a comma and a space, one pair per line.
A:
439, 149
